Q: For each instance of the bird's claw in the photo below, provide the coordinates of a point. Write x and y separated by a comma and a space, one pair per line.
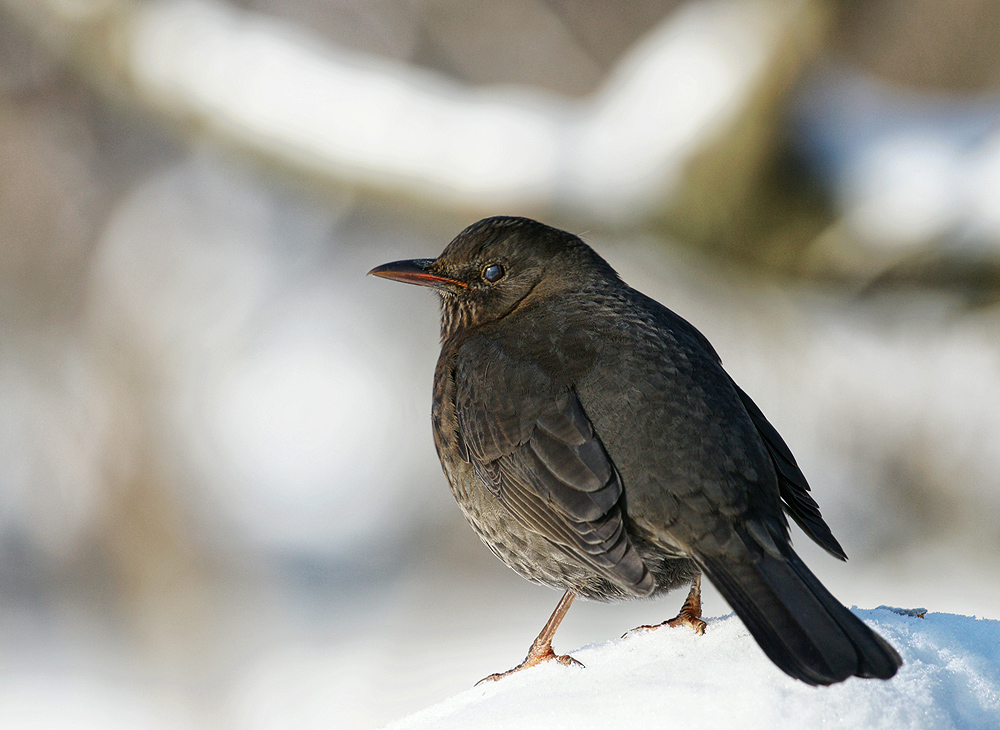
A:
567, 661
531, 660
641, 629
683, 619
693, 622
690, 614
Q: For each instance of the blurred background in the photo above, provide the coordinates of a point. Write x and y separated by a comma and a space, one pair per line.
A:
219, 500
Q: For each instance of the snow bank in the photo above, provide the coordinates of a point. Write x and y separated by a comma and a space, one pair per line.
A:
675, 679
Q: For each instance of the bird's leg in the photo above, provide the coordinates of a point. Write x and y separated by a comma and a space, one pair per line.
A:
541, 649
690, 614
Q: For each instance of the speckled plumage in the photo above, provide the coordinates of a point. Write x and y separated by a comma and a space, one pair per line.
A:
596, 445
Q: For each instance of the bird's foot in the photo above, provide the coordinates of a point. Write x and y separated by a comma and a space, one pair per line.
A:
681, 619
535, 656
690, 614
695, 623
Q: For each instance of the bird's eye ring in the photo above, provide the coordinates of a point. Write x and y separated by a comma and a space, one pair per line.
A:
493, 273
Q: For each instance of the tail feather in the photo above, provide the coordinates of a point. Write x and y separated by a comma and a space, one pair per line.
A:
801, 627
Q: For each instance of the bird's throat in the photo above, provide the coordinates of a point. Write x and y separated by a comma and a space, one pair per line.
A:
456, 316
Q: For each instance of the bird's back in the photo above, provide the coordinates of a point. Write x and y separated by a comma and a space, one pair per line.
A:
665, 410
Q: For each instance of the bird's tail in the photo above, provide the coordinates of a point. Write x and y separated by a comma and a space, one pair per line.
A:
807, 632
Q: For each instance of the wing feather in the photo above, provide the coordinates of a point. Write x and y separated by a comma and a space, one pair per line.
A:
792, 484
531, 442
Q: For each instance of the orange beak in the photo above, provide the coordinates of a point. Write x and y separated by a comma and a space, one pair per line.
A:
415, 271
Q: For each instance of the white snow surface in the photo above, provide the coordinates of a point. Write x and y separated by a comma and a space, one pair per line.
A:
672, 678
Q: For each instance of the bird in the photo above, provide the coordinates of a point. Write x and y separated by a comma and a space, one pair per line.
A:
596, 445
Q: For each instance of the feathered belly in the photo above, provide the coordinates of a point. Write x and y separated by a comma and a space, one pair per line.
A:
539, 560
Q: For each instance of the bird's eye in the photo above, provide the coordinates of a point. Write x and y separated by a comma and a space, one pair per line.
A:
493, 273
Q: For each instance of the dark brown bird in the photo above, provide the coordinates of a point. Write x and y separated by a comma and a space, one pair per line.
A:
596, 445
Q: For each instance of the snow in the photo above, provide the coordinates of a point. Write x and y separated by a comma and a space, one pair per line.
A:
672, 678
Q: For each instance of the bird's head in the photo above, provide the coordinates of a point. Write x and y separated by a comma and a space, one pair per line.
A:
496, 264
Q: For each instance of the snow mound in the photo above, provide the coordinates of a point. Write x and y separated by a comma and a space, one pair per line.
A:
675, 679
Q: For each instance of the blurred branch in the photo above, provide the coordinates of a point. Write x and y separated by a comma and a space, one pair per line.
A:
619, 155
